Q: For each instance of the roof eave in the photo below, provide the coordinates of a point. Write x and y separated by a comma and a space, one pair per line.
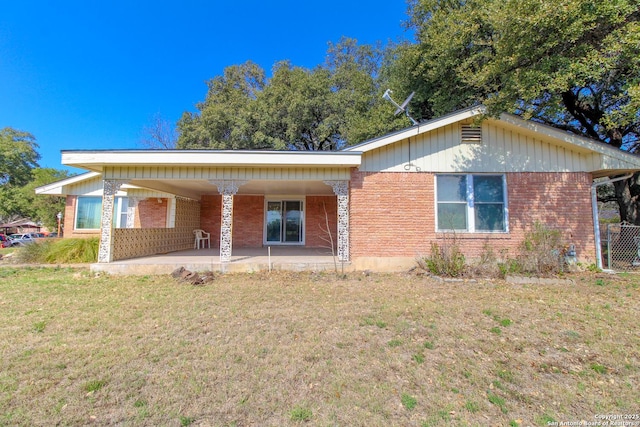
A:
97, 160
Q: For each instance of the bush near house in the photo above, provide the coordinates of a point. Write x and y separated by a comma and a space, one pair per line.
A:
63, 251
541, 253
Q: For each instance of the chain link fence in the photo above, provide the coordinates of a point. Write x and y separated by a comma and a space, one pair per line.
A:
621, 247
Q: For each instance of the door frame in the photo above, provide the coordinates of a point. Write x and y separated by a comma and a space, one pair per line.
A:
281, 199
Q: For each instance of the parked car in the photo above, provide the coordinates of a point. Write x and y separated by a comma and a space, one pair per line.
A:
4, 241
23, 239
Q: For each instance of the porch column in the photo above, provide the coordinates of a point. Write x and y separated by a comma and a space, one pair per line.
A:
341, 190
110, 188
227, 188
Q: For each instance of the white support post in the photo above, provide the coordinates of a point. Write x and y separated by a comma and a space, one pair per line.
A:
341, 190
227, 188
110, 188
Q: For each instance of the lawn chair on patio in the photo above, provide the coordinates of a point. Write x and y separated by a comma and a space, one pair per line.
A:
201, 236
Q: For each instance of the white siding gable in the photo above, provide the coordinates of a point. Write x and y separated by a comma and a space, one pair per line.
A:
501, 150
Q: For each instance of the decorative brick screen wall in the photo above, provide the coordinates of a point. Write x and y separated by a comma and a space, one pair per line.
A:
137, 242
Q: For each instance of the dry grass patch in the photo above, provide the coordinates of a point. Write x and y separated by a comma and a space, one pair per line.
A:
286, 349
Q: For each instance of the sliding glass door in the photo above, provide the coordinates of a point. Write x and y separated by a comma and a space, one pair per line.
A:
284, 222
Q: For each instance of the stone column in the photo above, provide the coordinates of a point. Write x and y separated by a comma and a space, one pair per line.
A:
110, 188
341, 190
227, 188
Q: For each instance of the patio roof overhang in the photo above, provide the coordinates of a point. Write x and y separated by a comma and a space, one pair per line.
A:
193, 173
94, 160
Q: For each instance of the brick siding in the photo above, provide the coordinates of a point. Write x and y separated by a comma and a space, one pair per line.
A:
211, 217
69, 221
151, 214
393, 214
315, 221
248, 219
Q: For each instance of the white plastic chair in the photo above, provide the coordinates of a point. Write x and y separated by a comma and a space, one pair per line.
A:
201, 236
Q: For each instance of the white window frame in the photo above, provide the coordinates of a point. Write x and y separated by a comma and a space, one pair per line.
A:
303, 219
119, 215
470, 204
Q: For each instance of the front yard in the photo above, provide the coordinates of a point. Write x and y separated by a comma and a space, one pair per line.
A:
284, 349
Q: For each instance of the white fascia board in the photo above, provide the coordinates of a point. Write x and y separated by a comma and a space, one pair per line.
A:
418, 129
57, 188
96, 160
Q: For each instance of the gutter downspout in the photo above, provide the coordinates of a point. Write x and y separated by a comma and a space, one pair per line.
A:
594, 207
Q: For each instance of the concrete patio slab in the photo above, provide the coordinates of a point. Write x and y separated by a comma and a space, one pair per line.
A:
291, 258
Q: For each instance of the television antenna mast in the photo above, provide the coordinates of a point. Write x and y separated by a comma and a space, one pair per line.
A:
402, 108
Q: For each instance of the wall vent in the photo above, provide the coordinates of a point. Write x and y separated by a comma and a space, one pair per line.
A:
471, 134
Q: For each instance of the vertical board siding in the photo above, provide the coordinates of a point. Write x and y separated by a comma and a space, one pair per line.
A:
502, 150
212, 173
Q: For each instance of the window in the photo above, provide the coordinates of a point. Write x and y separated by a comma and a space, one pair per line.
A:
89, 213
474, 203
284, 222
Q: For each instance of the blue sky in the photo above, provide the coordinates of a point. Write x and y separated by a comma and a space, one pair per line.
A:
91, 74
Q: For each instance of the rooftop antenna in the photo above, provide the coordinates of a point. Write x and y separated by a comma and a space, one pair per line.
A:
400, 108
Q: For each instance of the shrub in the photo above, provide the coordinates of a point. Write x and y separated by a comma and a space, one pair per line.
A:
74, 251
541, 251
63, 251
445, 260
34, 252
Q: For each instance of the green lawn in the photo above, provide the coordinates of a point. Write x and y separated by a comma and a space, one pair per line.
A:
290, 349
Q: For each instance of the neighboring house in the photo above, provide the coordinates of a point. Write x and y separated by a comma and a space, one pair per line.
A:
20, 226
386, 199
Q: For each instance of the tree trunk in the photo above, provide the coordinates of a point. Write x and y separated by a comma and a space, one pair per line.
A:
628, 197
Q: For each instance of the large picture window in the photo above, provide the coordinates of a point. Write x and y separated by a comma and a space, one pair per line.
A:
473, 203
89, 212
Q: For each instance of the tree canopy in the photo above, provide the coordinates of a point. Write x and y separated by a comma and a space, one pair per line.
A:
18, 156
325, 108
571, 64
20, 175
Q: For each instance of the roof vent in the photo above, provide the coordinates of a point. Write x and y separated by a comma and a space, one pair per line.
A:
471, 134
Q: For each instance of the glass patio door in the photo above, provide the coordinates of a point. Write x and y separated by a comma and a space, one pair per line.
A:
284, 222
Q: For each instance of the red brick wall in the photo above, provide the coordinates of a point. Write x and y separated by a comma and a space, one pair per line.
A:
211, 216
393, 214
248, 219
315, 221
151, 214
559, 200
69, 221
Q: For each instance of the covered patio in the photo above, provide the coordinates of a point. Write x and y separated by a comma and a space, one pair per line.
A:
242, 260
244, 200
